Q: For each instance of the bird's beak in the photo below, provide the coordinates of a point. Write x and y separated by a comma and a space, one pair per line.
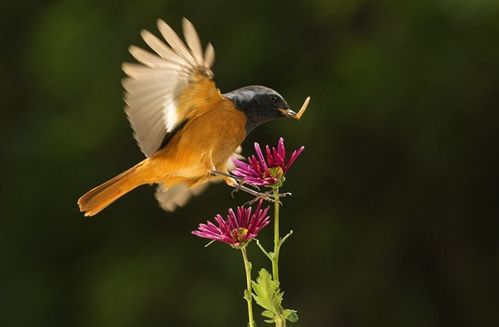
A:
290, 113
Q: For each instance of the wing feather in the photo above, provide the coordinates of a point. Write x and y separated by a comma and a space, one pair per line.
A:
177, 196
149, 59
209, 55
192, 39
175, 42
168, 84
161, 49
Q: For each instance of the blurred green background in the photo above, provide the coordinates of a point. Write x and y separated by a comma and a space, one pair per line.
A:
395, 207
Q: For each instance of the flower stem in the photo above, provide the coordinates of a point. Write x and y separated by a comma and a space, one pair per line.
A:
260, 246
279, 321
277, 239
247, 292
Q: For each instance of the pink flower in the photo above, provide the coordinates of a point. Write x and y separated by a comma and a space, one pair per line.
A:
240, 227
269, 171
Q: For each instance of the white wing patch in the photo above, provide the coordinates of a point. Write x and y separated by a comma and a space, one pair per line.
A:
154, 83
171, 117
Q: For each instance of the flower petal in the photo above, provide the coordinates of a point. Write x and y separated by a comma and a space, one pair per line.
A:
259, 154
293, 158
240, 225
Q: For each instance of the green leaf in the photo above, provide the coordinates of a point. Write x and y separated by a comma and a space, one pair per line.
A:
267, 293
291, 315
268, 314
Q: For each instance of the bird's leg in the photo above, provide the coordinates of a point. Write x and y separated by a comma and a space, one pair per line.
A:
239, 185
230, 180
219, 173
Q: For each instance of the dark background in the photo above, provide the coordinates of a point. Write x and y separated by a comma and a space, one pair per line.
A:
395, 206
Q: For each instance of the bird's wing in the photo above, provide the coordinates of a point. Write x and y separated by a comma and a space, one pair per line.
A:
168, 86
177, 196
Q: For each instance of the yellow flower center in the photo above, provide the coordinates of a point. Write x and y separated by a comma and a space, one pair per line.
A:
276, 172
239, 234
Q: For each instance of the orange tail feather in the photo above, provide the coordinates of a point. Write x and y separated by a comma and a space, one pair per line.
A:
98, 198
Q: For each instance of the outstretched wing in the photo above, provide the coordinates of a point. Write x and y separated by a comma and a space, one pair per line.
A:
168, 86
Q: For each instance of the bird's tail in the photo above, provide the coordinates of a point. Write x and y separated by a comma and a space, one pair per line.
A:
98, 198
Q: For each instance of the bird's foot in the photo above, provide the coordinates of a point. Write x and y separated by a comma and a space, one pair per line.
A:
237, 179
265, 196
239, 185
249, 190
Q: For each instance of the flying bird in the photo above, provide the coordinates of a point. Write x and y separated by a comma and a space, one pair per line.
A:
187, 129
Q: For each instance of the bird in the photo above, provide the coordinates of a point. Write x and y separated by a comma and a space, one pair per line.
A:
187, 129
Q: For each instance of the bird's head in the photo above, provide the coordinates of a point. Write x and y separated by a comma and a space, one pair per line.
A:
260, 104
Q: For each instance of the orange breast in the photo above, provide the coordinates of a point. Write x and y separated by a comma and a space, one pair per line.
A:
204, 143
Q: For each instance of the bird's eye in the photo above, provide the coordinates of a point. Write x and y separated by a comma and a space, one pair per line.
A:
274, 100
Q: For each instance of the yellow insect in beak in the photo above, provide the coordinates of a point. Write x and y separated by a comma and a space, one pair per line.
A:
290, 113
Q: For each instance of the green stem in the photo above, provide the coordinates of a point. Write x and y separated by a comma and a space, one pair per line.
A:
277, 239
280, 322
247, 293
260, 246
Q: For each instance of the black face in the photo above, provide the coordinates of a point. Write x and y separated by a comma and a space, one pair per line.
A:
270, 103
260, 104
